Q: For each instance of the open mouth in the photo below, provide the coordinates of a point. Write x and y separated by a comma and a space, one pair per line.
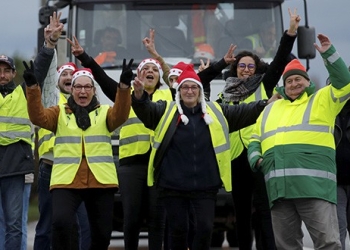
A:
150, 77
82, 98
67, 84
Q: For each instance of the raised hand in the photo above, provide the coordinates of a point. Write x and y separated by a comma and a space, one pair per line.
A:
139, 84
203, 65
294, 21
325, 43
150, 45
229, 57
126, 75
76, 49
28, 74
53, 30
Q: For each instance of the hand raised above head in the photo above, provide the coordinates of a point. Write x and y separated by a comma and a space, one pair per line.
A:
75, 46
229, 57
325, 43
294, 21
127, 74
149, 43
28, 74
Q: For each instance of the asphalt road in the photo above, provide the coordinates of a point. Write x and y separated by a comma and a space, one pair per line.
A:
117, 244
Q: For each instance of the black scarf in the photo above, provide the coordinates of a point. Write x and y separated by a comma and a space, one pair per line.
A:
7, 88
82, 113
237, 89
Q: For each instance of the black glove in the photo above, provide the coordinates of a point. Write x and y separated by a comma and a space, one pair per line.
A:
28, 74
126, 76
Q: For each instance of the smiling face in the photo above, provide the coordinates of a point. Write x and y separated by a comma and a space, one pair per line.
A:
246, 67
295, 85
152, 75
83, 90
190, 93
65, 81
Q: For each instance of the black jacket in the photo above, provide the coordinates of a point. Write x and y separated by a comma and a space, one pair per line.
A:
186, 159
342, 142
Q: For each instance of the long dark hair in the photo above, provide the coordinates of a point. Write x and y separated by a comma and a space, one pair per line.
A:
261, 66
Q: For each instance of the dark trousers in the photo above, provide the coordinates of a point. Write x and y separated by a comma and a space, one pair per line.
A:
247, 187
140, 201
178, 210
99, 207
42, 241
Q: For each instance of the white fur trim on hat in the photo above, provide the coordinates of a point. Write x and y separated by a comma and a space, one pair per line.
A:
63, 68
174, 72
152, 61
80, 73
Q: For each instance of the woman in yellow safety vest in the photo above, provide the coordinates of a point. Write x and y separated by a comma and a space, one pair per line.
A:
83, 169
251, 79
190, 157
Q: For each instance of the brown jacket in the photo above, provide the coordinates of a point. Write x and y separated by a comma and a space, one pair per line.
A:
48, 117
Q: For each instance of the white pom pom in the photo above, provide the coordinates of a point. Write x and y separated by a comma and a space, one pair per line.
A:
207, 118
184, 119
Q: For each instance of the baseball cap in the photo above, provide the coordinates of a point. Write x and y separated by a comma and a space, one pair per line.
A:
8, 60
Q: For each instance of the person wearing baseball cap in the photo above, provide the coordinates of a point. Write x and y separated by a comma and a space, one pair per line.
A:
8, 60
292, 144
190, 157
16, 155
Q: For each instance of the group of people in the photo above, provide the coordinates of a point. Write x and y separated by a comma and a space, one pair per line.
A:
270, 146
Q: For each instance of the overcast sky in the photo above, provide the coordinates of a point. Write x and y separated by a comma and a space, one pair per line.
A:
20, 23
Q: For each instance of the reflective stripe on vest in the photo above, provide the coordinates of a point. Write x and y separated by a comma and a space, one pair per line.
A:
268, 140
14, 119
221, 142
304, 126
135, 138
46, 138
68, 151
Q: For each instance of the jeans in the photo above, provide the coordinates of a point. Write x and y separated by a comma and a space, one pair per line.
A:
137, 199
343, 211
42, 240
179, 210
26, 195
11, 193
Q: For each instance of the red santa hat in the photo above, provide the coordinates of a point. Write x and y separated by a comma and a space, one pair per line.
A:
68, 65
152, 61
83, 72
188, 74
177, 69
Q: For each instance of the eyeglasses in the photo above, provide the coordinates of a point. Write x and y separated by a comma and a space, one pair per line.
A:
187, 88
250, 66
79, 88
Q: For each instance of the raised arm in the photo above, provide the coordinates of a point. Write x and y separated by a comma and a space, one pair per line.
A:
44, 118
107, 84
151, 48
276, 68
338, 71
46, 54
